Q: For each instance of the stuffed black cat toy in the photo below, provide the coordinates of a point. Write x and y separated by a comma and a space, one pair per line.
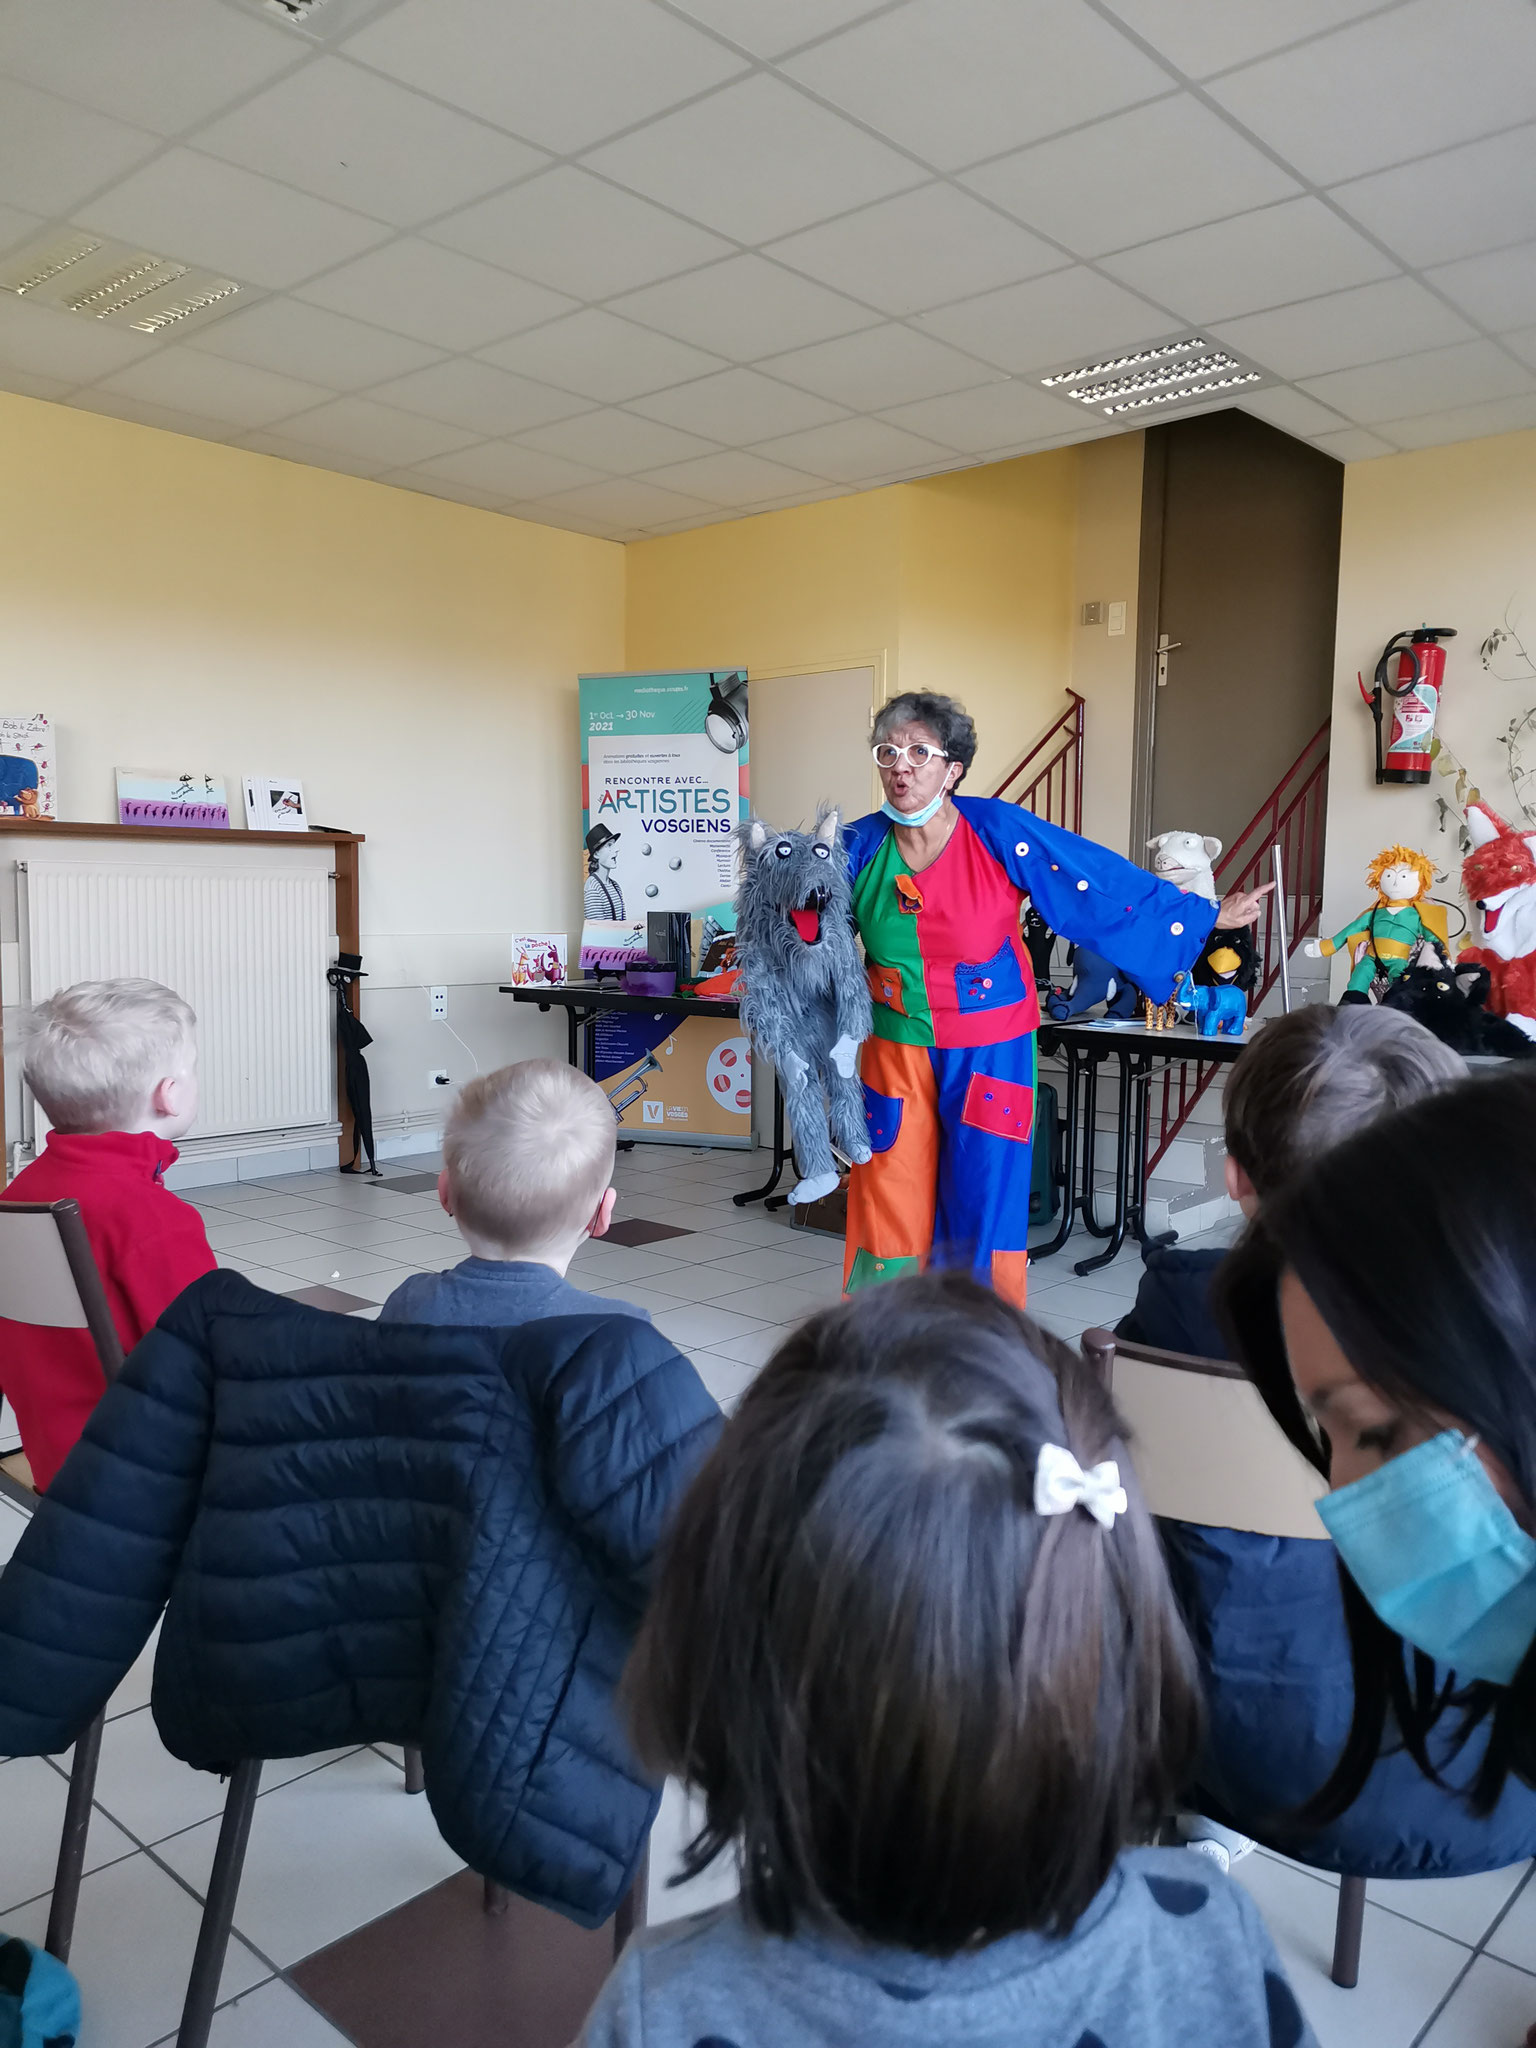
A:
1450, 1003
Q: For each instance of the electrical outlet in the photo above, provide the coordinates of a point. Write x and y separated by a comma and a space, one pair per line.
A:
439, 1001
437, 1077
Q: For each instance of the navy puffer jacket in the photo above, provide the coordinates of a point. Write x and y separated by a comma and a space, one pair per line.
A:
365, 1532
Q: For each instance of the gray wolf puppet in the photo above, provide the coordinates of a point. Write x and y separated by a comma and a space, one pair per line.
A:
804, 999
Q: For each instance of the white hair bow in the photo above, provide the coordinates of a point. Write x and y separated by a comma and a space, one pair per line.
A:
1061, 1484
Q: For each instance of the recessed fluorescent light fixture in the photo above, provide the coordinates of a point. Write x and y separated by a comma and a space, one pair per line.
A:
78, 272
1178, 372
320, 20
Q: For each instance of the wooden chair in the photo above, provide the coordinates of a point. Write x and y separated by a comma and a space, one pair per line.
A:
49, 1279
1207, 1450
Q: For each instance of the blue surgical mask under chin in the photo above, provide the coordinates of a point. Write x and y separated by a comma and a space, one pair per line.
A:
916, 818
1440, 1557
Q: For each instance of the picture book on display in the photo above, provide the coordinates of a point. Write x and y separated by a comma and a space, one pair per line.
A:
26, 766
538, 957
190, 801
275, 803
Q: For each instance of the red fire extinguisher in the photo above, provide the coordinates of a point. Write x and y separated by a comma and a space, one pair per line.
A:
1411, 673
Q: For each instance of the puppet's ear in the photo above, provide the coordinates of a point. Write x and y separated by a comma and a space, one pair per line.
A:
1212, 847
1158, 840
757, 836
826, 827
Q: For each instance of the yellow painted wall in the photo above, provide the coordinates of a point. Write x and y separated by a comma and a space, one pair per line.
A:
1444, 536
172, 603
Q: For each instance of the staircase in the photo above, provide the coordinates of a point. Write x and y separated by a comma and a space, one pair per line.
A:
1054, 771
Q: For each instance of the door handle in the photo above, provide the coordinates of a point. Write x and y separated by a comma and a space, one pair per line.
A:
1165, 647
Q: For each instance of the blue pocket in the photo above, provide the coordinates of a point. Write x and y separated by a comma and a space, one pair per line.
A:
882, 1113
995, 985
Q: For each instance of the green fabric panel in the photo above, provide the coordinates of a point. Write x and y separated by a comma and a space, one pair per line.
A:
890, 940
868, 1271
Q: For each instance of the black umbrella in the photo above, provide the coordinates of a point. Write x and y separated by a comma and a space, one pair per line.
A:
351, 1036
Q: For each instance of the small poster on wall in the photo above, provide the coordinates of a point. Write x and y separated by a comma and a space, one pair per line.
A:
538, 958
191, 802
275, 803
26, 766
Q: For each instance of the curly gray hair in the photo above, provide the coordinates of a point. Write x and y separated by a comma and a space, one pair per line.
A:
945, 717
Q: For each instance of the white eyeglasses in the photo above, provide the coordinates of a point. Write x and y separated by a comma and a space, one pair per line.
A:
887, 756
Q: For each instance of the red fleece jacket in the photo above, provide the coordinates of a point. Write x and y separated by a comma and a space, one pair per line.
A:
148, 1246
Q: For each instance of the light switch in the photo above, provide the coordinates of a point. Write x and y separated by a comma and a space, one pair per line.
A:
1117, 620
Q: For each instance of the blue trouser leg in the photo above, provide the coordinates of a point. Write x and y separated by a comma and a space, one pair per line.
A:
986, 1101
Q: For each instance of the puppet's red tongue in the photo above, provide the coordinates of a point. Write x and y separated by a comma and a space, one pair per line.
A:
1491, 915
807, 923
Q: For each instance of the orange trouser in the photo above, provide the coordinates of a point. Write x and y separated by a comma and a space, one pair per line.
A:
948, 1182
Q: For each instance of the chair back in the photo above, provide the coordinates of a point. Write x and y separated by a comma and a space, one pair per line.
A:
1205, 1447
49, 1278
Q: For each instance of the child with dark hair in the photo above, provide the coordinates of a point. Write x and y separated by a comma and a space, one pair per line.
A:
912, 1641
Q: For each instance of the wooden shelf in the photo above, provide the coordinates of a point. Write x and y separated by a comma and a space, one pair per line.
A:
235, 835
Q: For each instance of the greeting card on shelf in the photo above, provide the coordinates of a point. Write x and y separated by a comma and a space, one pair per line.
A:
188, 801
26, 766
275, 803
538, 957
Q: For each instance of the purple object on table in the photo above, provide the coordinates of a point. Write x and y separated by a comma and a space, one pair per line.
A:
650, 981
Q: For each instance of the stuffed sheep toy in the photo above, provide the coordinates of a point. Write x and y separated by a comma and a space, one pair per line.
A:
1184, 858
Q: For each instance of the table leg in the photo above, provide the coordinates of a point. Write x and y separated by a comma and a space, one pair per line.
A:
1054, 1244
1137, 1191
1091, 1221
780, 1155
1116, 1233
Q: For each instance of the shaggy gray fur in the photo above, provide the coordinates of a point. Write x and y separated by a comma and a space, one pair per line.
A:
804, 1001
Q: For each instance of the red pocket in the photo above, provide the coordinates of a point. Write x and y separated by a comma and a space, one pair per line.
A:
1004, 1109
885, 988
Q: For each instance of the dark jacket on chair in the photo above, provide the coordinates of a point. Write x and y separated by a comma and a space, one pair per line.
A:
364, 1532
1267, 1617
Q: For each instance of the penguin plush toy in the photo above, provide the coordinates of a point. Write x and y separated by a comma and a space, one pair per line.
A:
1229, 961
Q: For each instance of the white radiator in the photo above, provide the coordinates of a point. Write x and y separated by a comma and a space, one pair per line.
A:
248, 948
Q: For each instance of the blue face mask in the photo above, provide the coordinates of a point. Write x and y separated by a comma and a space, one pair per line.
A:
915, 818
1440, 1557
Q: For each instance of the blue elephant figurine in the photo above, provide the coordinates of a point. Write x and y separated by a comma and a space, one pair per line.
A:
1220, 1012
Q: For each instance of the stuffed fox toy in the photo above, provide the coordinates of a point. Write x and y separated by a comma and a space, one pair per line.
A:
1499, 877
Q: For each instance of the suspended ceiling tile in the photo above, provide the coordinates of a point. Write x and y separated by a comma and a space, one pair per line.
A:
919, 249
50, 343
27, 385
1341, 329
550, 512
1436, 380
884, 366
958, 80
1481, 196
508, 470
347, 135
852, 451
143, 412
1330, 108
436, 295
163, 64
292, 336
770, 31
16, 226
1464, 423
483, 400
1037, 325
995, 416
1293, 412
579, 234
199, 210
382, 433
745, 308
441, 487
1146, 173
232, 393
1205, 36
618, 442
1499, 290
756, 160
561, 73
1353, 444
736, 406
1291, 251
732, 477
1522, 342
627, 502
53, 153
601, 357
264, 441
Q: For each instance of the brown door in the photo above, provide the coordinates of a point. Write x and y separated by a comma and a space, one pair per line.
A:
1240, 562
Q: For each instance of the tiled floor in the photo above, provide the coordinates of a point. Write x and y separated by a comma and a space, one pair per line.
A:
336, 1842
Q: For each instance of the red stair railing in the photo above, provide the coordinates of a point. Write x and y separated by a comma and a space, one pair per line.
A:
1054, 790
1292, 816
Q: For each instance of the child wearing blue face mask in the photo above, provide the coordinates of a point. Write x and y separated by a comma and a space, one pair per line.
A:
1412, 1382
